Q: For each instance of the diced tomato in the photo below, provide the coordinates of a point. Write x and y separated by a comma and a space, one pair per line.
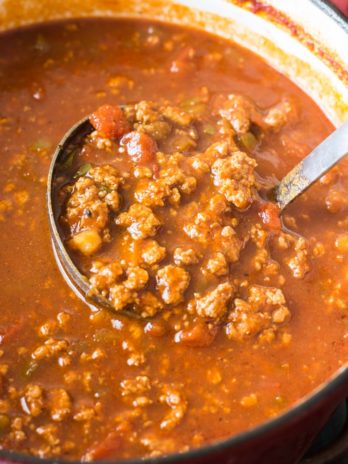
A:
140, 147
110, 122
270, 216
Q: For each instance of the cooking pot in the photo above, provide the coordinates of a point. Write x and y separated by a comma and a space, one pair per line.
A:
308, 42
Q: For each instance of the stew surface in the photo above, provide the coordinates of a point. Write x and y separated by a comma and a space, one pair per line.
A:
224, 314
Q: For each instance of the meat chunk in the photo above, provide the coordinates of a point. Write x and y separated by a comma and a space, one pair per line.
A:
121, 296
92, 199
59, 404
108, 179
149, 119
213, 305
120, 286
234, 177
109, 121
186, 256
148, 305
152, 252
217, 264
137, 278
177, 403
201, 228
227, 242
264, 312
135, 386
174, 176
105, 275
146, 112
177, 116
152, 192
298, 261
171, 183
172, 281
50, 348
33, 400
240, 111
279, 115
140, 221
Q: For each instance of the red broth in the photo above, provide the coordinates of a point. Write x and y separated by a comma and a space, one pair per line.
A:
77, 383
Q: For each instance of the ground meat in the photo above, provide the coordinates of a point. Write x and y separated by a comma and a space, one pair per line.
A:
92, 199
177, 116
152, 252
33, 400
261, 260
84, 208
146, 112
177, 403
216, 151
299, 261
263, 312
120, 287
121, 296
137, 278
105, 275
279, 115
152, 192
50, 348
140, 221
241, 112
213, 305
227, 242
202, 227
148, 305
234, 177
59, 404
174, 176
172, 182
149, 119
135, 386
186, 256
217, 264
172, 281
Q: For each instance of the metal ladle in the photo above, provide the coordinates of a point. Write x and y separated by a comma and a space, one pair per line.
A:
299, 179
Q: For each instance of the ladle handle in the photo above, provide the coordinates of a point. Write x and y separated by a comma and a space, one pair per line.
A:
316, 164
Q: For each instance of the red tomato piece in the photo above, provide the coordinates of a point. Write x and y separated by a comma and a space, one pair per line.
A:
140, 147
270, 216
110, 121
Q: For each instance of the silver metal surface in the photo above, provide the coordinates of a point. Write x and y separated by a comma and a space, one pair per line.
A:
67, 267
77, 281
316, 164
